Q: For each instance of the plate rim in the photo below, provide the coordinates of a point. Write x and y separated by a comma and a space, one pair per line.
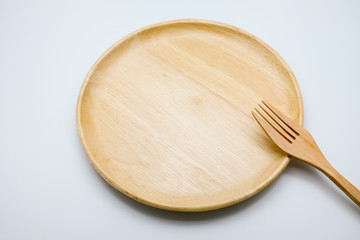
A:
213, 206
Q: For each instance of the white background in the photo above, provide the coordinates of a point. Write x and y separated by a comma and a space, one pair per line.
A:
48, 188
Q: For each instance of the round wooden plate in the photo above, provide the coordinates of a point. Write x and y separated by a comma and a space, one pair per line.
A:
165, 114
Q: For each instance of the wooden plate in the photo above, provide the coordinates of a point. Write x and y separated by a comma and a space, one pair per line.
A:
165, 114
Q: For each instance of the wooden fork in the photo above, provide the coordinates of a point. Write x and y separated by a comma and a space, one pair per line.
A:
297, 142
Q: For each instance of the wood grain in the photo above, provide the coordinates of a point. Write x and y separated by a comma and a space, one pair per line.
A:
165, 114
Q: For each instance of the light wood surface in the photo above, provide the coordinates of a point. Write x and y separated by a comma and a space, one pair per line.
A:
165, 114
298, 142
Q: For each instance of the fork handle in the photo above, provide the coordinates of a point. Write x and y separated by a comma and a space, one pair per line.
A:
350, 190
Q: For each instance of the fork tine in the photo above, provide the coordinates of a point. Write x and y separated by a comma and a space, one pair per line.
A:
286, 120
274, 133
279, 122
